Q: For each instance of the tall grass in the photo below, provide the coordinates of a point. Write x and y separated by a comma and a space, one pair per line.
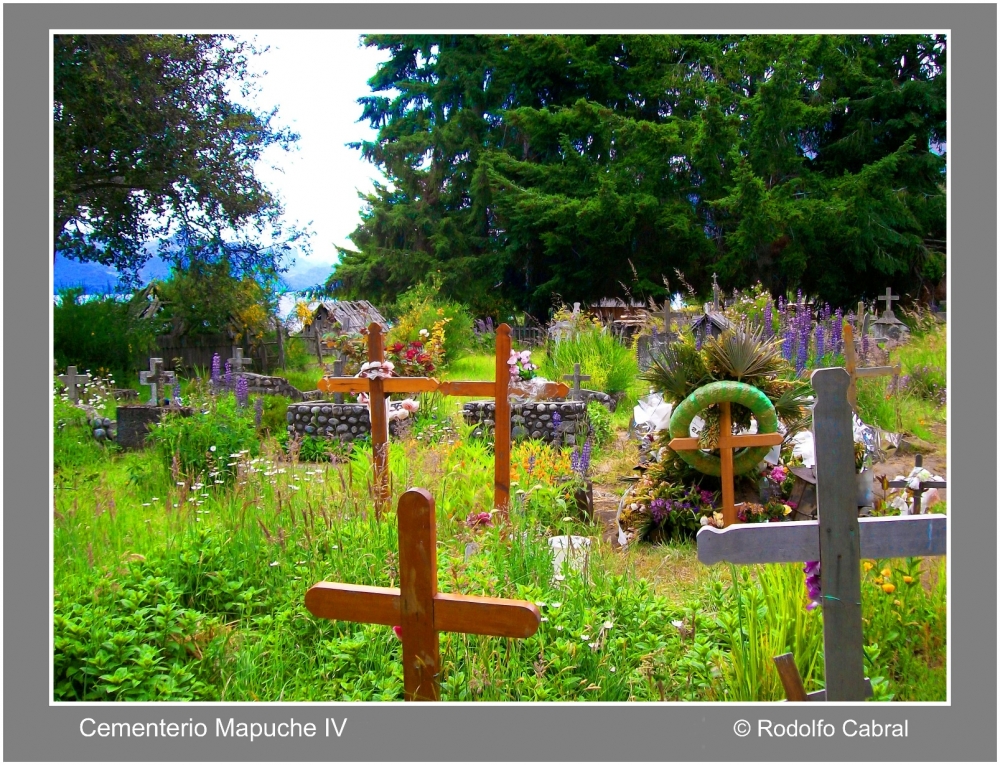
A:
612, 366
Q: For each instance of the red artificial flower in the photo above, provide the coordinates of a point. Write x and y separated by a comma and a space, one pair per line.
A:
399, 631
417, 344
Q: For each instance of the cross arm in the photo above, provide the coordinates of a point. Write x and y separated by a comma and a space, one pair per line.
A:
755, 439
389, 385
452, 613
903, 536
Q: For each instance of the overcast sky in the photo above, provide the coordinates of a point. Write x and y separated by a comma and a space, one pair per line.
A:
315, 79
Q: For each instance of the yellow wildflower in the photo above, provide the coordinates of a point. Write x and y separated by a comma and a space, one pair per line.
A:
869, 565
908, 579
898, 603
886, 572
888, 588
787, 509
878, 580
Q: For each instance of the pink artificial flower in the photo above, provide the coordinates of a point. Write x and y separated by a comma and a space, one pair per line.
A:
779, 474
410, 405
398, 631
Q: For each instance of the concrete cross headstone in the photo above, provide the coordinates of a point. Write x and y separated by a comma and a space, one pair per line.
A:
71, 380
576, 377
416, 607
237, 362
887, 298
151, 377
854, 371
839, 540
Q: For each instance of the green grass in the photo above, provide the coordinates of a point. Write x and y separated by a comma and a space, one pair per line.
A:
170, 586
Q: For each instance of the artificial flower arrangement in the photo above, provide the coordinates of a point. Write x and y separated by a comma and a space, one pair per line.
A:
753, 512
521, 367
657, 509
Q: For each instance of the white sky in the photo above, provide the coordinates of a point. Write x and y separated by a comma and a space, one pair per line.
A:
315, 78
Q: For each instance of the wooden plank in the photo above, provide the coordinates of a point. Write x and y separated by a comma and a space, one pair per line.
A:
410, 385
726, 458
418, 586
791, 680
745, 439
839, 536
501, 419
903, 536
377, 408
343, 385
468, 388
354, 603
485, 616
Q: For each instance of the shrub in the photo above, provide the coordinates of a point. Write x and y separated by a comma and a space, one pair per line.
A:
421, 308
600, 423
101, 333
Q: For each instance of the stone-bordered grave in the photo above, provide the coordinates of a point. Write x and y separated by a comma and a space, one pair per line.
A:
328, 419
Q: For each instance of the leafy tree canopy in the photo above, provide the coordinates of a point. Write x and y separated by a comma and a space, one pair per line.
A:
521, 167
149, 145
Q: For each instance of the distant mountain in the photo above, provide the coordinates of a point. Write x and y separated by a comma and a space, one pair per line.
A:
97, 279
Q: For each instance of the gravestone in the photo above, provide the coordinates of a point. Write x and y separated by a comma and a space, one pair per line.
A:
71, 380
237, 362
157, 379
576, 392
134, 421
887, 326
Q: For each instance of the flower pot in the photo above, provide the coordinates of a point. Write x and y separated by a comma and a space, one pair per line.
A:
866, 488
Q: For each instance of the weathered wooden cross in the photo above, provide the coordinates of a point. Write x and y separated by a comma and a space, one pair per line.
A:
338, 371
839, 540
416, 607
379, 389
157, 379
851, 365
727, 444
576, 377
71, 380
887, 298
715, 294
237, 362
922, 486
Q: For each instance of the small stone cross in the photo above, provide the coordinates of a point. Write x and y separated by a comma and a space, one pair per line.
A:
887, 298
71, 379
156, 378
237, 362
576, 377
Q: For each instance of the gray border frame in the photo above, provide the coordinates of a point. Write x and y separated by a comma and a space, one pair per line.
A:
964, 730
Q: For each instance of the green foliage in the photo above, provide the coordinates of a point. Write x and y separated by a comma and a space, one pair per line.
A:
208, 445
100, 333
611, 365
531, 165
600, 424
423, 306
149, 143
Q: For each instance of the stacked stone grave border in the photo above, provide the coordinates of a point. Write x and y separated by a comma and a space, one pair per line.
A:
534, 419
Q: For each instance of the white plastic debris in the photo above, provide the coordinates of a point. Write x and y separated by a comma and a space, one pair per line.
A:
572, 550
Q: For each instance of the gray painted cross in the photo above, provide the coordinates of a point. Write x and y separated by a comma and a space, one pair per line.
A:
887, 298
71, 379
237, 362
715, 294
156, 378
576, 377
838, 539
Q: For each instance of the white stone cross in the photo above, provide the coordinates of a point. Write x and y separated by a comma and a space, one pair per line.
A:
237, 362
887, 298
71, 379
156, 378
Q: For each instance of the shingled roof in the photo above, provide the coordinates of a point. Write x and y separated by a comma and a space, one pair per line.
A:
352, 315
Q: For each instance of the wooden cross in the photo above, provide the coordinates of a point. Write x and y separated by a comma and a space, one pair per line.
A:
851, 365
887, 298
338, 371
417, 607
922, 486
838, 539
156, 378
71, 379
715, 294
576, 377
237, 362
501, 388
727, 443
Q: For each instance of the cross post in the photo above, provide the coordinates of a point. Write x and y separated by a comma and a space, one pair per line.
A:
237, 362
576, 377
72, 379
417, 607
715, 294
839, 540
854, 371
887, 298
157, 379
727, 443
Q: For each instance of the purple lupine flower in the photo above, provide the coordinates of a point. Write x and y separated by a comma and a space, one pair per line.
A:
820, 343
242, 391
229, 376
258, 411
659, 509
579, 460
556, 420
803, 354
788, 343
836, 330
489, 324
768, 319
707, 497
813, 584
826, 312
864, 347
531, 464
216, 367
177, 393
